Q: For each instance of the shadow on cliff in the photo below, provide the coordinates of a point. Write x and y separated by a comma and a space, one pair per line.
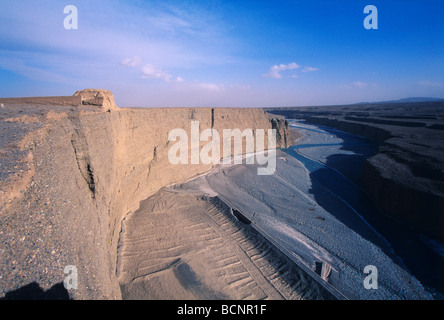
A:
33, 291
405, 247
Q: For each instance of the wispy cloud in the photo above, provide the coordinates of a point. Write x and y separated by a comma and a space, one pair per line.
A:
131, 62
151, 37
309, 69
275, 71
212, 86
33, 72
149, 71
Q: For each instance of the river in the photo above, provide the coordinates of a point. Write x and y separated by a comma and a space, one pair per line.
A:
313, 210
408, 248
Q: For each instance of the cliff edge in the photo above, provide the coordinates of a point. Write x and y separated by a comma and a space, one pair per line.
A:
72, 168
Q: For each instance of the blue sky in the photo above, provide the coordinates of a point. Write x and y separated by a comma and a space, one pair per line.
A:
235, 53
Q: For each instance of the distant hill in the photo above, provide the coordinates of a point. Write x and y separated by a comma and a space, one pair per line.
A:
406, 100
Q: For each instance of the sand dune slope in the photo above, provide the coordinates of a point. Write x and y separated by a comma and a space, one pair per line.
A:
185, 246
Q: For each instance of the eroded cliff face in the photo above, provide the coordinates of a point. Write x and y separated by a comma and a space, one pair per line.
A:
89, 166
405, 178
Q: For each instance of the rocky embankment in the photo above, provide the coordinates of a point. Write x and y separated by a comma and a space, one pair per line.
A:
406, 177
72, 168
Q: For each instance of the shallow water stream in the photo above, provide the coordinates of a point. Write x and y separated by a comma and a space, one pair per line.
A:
327, 158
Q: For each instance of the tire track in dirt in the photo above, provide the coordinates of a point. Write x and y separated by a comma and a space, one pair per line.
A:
184, 246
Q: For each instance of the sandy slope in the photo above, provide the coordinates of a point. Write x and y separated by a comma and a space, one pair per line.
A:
189, 246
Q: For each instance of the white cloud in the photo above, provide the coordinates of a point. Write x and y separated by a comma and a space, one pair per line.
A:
275, 70
212, 86
151, 72
309, 69
131, 62
172, 38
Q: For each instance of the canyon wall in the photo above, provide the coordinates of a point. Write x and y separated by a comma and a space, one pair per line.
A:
405, 178
89, 166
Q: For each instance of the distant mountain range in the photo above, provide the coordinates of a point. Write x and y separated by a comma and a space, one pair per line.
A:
406, 100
